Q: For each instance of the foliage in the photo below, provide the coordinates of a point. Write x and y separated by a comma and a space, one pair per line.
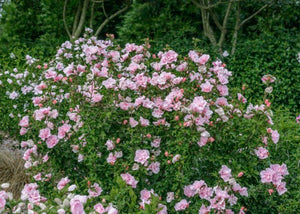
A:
277, 56
164, 22
31, 24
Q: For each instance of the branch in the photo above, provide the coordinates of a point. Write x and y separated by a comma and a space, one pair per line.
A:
215, 19
224, 29
76, 19
82, 19
103, 8
236, 28
64, 19
208, 31
92, 15
227, 14
109, 18
254, 14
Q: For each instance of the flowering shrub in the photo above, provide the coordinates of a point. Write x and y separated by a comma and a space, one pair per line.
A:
122, 130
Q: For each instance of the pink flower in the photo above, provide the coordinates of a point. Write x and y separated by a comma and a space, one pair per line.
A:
125, 106
145, 195
110, 145
156, 66
204, 209
268, 79
266, 175
52, 141
281, 188
154, 167
44, 133
156, 143
206, 192
96, 97
133, 67
170, 196
281, 169
3, 197
129, 179
53, 114
198, 104
111, 210
203, 59
225, 173
24, 122
61, 211
182, 205
189, 191
109, 83
96, 192
23, 131
206, 87
243, 191
62, 183
241, 98
262, 153
169, 57
144, 122
111, 158
157, 113
223, 89
182, 67
163, 209
298, 119
63, 130
133, 122
141, 156
99, 208
275, 136
221, 101
277, 178
194, 56
38, 177
203, 141
45, 158
76, 206
31, 193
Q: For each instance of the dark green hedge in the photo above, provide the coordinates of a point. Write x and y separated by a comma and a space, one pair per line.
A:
269, 55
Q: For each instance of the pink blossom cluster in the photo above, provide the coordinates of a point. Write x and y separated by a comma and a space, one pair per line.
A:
3, 198
268, 79
275, 174
217, 197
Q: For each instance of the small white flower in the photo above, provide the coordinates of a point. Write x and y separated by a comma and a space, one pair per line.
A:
176, 158
5, 185
12, 56
72, 188
225, 54
269, 90
205, 134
